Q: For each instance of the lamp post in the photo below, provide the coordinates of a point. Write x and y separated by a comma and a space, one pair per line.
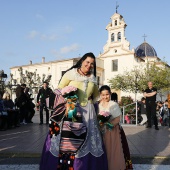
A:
136, 86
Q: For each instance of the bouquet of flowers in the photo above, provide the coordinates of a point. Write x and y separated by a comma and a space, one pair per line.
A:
69, 93
103, 118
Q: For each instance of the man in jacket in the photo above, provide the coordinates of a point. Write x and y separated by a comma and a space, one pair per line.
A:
43, 94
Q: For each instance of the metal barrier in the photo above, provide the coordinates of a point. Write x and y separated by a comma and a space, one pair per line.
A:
136, 113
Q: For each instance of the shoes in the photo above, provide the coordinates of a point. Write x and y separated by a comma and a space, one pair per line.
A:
156, 128
40, 123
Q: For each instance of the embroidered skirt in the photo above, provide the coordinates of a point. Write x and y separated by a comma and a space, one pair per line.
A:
90, 156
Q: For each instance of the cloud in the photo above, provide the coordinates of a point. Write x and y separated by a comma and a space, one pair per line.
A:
68, 29
67, 49
39, 16
32, 34
10, 54
45, 37
52, 37
71, 48
55, 52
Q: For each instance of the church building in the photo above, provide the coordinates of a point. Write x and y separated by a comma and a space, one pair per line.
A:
115, 58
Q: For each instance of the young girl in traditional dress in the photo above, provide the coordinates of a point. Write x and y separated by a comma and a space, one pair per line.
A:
115, 142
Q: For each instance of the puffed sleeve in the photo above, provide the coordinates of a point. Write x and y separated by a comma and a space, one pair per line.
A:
115, 110
95, 93
64, 81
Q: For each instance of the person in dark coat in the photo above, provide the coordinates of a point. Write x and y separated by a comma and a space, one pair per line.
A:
43, 94
22, 104
3, 114
31, 106
9, 105
150, 94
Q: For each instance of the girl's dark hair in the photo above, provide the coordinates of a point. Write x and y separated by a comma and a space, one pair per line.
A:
78, 64
105, 87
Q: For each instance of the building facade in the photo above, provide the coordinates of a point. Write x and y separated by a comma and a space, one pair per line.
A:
115, 58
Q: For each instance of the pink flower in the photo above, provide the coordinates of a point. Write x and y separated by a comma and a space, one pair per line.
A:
68, 89
104, 113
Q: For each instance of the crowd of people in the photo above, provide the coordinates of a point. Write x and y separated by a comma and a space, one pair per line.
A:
9, 115
89, 136
18, 112
163, 112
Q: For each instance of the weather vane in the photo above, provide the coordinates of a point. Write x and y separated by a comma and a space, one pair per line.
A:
116, 6
144, 37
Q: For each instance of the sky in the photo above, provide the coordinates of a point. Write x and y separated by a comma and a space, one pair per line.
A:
61, 29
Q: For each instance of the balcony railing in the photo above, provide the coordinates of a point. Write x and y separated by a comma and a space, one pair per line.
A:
130, 118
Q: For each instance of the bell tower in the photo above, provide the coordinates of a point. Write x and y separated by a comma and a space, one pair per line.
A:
116, 42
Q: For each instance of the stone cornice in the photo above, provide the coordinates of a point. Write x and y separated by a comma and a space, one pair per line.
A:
50, 62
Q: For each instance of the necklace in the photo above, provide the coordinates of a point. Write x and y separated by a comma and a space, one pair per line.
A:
83, 72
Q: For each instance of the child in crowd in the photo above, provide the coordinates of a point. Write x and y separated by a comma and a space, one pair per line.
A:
164, 113
142, 110
116, 145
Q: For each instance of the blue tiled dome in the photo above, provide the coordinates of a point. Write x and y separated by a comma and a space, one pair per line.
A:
144, 50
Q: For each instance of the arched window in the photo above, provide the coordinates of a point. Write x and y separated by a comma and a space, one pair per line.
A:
112, 37
115, 22
119, 36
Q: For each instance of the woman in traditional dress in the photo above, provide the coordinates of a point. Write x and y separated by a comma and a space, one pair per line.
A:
91, 155
115, 142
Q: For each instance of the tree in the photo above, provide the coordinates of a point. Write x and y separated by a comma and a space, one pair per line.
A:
159, 74
130, 81
33, 80
136, 80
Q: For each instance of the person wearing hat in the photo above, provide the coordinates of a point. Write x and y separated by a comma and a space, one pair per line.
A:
43, 94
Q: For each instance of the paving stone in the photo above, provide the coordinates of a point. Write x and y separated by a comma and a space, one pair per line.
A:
27, 141
36, 167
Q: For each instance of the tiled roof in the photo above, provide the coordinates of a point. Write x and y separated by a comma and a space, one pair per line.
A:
145, 50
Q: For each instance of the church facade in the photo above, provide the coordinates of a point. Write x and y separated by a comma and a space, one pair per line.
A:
115, 58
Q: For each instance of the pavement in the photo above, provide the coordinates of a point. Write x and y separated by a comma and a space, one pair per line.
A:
23, 146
